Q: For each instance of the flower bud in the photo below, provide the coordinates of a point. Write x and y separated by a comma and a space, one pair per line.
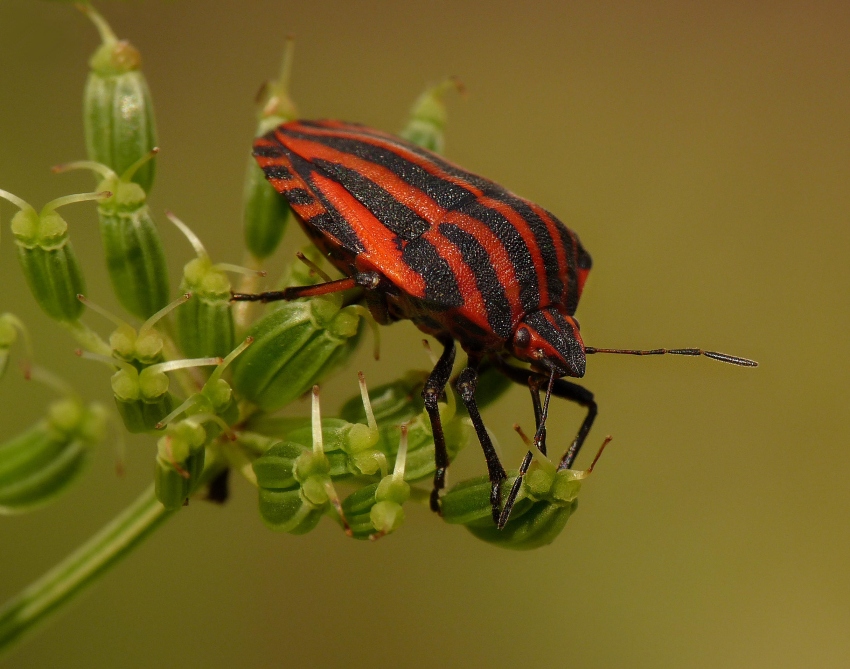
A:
295, 346
42, 462
141, 407
117, 108
428, 116
205, 325
265, 211
275, 468
47, 257
134, 254
143, 347
359, 441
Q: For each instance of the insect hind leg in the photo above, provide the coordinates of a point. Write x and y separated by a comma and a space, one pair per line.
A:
368, 280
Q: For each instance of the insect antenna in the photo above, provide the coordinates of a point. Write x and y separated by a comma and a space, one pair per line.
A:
714, 355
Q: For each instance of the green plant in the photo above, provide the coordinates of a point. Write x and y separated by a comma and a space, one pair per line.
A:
206, 378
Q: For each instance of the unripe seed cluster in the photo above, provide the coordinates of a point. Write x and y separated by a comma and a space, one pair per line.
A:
207, 379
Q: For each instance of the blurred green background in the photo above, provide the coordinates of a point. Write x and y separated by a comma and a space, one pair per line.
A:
700, 151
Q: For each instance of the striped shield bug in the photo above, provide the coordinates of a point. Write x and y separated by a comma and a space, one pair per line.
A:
463, 258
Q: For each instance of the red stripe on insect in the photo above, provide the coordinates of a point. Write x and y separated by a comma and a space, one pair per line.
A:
399, 189
500, 259
521, 226
474, 308
560, 251
380, 248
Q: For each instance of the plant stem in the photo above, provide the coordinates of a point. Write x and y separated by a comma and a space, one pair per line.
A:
47, 595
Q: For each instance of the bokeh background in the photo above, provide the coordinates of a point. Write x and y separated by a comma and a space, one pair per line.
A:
700, 150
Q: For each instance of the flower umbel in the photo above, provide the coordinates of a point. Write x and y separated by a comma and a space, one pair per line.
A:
207, 380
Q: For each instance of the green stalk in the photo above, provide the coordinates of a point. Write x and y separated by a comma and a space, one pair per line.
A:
60, 585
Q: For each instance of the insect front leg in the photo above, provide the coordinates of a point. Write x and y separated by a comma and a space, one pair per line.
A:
560, 388
368, 280
579, 395
466, 383
568, 391
431, 393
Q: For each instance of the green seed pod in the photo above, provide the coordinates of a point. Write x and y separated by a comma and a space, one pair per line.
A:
179, 462
288, 511
47, 257
428, 116
376, 510
117, 108
357, 440
41, 463
141, 395
275, 469
134, 254
10, 327
303, 475
399, 402
546, 500
205, 325
296, 346
265, 211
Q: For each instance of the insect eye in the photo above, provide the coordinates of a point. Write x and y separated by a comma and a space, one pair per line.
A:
522, 338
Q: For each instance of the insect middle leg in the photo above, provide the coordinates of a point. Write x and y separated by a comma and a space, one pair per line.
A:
466, 384
434, 386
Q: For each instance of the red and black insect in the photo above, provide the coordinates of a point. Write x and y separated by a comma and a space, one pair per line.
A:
464, 259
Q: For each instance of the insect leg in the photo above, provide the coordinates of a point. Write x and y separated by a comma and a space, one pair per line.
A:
466, 382
540, 413
430, 393
534, 386
363, 280
569, 391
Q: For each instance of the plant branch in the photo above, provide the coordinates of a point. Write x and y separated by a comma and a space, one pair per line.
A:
47, 595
